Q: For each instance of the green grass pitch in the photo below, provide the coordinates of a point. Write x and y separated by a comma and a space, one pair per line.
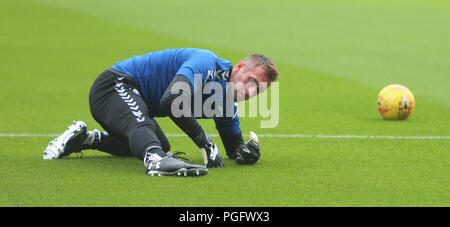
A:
334, 57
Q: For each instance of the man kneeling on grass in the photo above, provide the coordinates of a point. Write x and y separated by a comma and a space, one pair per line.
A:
183, 84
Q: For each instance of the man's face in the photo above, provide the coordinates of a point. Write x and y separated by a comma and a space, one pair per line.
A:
248, 81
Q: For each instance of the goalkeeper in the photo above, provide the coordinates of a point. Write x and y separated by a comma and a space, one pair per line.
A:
126, 98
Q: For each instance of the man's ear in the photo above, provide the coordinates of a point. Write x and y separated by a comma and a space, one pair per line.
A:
241, 65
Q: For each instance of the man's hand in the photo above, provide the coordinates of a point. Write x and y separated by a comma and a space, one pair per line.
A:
211, 155
250, 152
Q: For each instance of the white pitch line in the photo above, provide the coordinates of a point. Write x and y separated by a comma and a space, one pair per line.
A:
319, 136
356, 137
28, 135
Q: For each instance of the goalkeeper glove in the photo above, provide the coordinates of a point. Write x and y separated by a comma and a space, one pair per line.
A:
211, 154
250, 152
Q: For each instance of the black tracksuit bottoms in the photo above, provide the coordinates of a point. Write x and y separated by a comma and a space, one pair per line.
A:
116, 104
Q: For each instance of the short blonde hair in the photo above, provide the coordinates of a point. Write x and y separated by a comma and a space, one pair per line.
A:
268, 65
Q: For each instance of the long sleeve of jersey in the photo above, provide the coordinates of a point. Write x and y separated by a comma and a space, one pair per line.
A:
189, 125
231, 139
228, 127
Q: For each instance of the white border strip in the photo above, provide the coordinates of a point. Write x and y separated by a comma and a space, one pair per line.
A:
319, 136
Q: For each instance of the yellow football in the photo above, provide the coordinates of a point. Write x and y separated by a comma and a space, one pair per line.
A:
395, 102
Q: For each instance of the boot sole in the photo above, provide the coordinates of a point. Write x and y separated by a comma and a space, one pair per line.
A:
183, 172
